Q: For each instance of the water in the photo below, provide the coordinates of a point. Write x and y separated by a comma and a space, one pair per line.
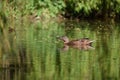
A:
33, 52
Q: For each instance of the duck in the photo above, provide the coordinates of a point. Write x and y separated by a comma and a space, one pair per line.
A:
83, 41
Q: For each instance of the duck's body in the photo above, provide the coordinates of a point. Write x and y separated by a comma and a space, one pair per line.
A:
83, 41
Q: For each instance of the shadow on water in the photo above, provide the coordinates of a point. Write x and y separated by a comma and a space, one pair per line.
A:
32, 52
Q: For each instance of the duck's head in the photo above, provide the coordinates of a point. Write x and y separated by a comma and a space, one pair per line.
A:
64, 39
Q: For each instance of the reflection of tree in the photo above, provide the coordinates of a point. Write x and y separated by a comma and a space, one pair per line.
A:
58, 63
13, 73
104, 53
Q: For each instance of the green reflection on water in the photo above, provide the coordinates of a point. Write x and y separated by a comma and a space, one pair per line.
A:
32, 52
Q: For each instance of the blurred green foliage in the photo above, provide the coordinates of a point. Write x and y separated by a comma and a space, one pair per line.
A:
68, 8
105, 8
52, 6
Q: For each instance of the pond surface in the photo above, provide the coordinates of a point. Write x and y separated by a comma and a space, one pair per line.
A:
33, 52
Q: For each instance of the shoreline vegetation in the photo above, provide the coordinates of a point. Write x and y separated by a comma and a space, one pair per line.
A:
63, 9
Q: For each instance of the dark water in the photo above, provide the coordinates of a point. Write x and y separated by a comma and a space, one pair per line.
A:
33, 52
